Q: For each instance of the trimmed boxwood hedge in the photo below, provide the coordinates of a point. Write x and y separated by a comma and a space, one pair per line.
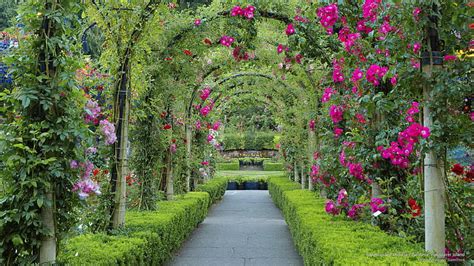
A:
267, 166
232, 166
325, 240
215, 187
148, 239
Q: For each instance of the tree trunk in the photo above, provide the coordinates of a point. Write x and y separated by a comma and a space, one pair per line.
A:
433, 186
189, 133
48, 247
295, 170
169, 178
303, 177
311, 150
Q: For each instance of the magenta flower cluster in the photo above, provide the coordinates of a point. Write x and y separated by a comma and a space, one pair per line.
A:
369, 9
375, 73
205, 93
337, 74
399, 151
336, 112
328, 92
227, 40
92, 110
247, 12
328, 16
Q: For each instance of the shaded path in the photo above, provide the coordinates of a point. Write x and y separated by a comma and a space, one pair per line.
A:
245, 228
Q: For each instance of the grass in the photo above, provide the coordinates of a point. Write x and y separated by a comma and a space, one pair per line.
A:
249, 173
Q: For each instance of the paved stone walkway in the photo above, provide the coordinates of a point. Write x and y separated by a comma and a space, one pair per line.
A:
245, 228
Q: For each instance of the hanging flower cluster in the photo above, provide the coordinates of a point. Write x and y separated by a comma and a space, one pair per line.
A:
399, 151
86, 185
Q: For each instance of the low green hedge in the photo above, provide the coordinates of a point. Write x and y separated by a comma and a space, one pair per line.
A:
233, 166
267, 166
325, 240
215, 187
148, 239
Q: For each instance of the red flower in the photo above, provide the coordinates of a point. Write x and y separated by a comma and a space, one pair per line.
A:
207, 41
106, 172
187, 52
415, 208
469, 176
163, 115
168, 58
95, 172
457, 169
167, 126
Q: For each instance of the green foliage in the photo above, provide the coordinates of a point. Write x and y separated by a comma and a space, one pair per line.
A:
321, 238
215, 187
7, 12
150, 237
267, 166
43, 128
249, 141
228, 166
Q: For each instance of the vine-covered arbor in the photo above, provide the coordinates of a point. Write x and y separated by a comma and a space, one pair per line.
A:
115, 115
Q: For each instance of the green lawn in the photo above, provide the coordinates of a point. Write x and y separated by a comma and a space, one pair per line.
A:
250, 173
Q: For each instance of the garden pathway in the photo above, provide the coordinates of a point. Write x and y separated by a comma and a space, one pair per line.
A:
245, 228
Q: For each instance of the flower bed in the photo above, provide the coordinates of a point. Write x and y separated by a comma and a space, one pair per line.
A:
323, 239
150, 238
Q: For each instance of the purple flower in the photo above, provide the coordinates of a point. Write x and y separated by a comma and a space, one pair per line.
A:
342, 197
108, 129
74, 164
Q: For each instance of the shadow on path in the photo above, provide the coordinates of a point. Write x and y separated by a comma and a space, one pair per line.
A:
245, 228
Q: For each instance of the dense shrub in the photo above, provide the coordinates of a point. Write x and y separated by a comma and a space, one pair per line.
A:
149, 238
267, 166
249, 141
325, 240
233, 166
215, 187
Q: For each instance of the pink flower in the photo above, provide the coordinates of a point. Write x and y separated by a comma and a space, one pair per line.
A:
314, 170
362, 27
337, 74
205, 93
415, 63
416, 13
360, 118
331, 208
236, 11
425, 132
205, 163
338, 132
108, 129
357, 75
342, 158
450, 58
226, 40
336, 112
198, 125
376, 205
393, 80
280, 48
472, 116
92, 110
416, 47
205, 110
328, 16
197, 22
342, 197
369, 9
173, 148
375, 73
210, 137
356, 170
312, 124
354, 211
298, 58
290, 30
216, 125
328, 92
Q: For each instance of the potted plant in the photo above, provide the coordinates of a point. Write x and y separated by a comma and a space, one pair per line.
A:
251, 184
262, 184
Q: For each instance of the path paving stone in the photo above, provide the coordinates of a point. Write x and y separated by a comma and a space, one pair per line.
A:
244, 229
